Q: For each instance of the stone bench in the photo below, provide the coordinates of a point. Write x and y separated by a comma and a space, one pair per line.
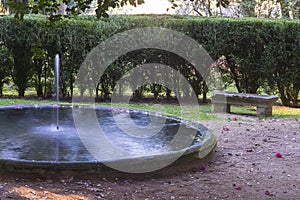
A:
223, 100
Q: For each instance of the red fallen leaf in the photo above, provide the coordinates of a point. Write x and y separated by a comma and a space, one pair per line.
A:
267, 192
238, 188
225, 129
203, 167
278, 155
111, 109
249, 150
234, 119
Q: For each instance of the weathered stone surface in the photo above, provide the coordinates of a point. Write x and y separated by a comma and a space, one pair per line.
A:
222, 100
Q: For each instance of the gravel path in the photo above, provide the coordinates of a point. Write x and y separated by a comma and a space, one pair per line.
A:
254, 159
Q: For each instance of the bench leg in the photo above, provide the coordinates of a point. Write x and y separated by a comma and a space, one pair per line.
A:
264, 111
221, 108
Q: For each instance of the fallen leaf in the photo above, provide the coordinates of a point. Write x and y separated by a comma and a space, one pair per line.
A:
203, 167
267, 192
225, 129
238, 188
278, 155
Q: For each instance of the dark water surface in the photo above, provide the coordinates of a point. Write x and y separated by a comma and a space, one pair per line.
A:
31, 134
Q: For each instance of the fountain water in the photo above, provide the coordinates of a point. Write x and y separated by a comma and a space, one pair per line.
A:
28, 145
56, 69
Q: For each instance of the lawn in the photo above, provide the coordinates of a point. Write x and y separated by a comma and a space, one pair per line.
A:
188, 112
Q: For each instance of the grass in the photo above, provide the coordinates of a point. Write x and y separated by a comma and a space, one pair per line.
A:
188, 112
277, 111
243, 109
283, 111
5, 102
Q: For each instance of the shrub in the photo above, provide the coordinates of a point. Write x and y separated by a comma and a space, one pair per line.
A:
6, 63
258, 54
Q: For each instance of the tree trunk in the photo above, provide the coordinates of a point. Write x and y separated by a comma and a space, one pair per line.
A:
1, 90
39, 85
21, 92
204, 91
45, 82
71, 84
97, 90
283, 98
26, 4
168, 93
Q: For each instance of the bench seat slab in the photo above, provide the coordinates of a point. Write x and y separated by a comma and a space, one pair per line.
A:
223, 100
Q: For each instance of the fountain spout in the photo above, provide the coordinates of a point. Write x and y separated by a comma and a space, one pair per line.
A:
56, 69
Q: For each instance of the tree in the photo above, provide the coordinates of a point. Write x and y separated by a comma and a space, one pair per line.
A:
16, 39
259, 8
200, 7
6, 62
73, 7
290, 8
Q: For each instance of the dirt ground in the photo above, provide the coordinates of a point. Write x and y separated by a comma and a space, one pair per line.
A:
254, 159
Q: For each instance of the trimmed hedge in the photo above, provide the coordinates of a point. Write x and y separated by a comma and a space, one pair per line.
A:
254, 54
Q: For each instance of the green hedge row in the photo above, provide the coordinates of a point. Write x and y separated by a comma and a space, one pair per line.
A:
253, 54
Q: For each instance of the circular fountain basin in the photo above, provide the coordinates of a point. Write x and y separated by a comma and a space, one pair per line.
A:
30, 141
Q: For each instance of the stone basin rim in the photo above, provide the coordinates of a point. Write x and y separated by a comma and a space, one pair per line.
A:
207, 143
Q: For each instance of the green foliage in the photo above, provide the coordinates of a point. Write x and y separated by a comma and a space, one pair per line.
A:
56, 10
241, 43
201, 7
16, 39
282, 60
6, 63
253, 54
248, 7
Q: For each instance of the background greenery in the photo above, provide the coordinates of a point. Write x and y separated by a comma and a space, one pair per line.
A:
254, 55
205, 110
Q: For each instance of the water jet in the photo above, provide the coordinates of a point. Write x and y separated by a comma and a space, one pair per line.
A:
29, 144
